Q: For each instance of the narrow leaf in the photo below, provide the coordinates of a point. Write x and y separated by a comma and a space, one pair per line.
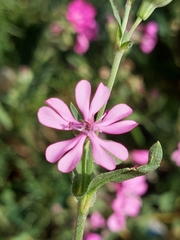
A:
155, 157
116, 13
75, 112
113, 176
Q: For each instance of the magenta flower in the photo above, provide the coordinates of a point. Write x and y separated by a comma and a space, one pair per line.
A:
81, 15
97, 221
140, 156
149, 38
69, 152
127, 202
82, 44
116, 222
176, 156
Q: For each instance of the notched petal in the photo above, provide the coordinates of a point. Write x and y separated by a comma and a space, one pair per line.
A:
117, 113
61, 108
83, 94
100, 98
69, 161
119, 127
48, 117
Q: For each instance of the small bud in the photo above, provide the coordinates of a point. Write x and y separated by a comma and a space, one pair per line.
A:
148, 6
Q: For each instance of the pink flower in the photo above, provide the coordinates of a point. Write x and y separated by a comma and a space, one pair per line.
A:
82, 17
82, 44
93, 236
127, 202
176, 156
149, 38
116, 222
140, 156
97, 221
136, 186
69, 152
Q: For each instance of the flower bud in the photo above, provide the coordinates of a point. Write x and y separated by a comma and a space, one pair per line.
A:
148, 6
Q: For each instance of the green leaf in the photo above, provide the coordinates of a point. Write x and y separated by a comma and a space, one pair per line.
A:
116, 13
118, 36
113, 176
155, 157
75, 112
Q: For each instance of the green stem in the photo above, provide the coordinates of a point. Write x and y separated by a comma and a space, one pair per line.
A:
126, 16
134, 26
81, 218
114, 70
84, 203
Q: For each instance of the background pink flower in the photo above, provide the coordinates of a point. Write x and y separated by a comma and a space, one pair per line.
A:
82, 17
127, 202
93, 236
149, 39
176, 155
140, 156
82, 44
116, 222
97, 221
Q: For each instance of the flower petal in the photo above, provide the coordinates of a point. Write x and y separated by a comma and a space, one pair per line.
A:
119, 127
116, 222
69, 161
100, 156
117, 113
101, 97
56, 150
117, 149
50, 118
83, 93
60, 107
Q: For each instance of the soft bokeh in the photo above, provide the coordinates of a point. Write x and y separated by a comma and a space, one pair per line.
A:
43, 55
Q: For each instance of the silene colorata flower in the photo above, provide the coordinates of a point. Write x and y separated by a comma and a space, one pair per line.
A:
69, 152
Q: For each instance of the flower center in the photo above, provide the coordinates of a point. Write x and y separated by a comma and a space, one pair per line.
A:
87, 127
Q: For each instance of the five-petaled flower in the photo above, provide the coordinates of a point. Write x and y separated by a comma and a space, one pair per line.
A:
69, 152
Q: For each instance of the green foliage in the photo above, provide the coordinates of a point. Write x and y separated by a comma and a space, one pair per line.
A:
35, 199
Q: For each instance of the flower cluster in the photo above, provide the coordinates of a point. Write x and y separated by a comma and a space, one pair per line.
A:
82, 17
149, 39
69, 152
127, 202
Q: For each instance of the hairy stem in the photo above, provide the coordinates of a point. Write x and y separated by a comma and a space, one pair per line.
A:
81, 218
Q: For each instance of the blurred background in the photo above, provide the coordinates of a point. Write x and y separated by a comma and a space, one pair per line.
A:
38, 60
